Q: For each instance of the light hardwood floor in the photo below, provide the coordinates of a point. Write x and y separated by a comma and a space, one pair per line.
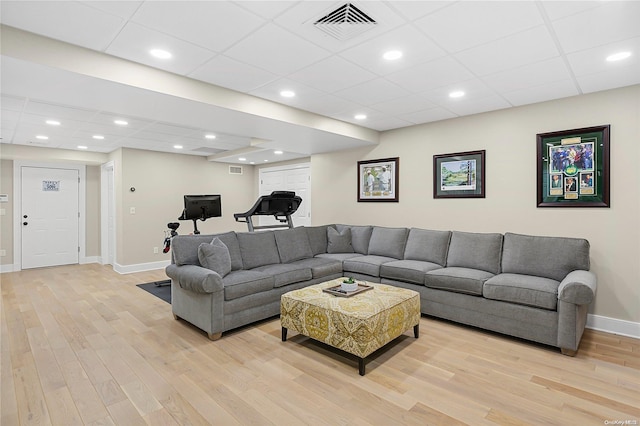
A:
83, 345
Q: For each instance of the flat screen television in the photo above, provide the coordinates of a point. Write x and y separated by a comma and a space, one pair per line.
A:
201, 207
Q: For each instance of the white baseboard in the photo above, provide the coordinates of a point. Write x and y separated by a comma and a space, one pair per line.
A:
140, 267
614, 326
7, 268
90, 259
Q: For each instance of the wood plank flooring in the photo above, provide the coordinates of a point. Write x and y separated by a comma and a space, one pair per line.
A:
82, 344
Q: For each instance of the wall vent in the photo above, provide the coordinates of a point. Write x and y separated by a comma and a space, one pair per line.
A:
345, 22
235, 170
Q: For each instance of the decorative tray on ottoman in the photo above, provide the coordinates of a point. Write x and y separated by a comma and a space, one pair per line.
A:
337, 290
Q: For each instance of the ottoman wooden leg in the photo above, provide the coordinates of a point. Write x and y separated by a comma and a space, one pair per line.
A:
284, 334
361, 366
416, 330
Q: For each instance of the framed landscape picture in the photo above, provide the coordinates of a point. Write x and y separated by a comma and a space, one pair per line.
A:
573, 168
459, 175
378, 179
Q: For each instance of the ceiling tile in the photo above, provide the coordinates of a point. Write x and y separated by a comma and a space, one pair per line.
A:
531, 75
333, 74
593, 61
276, 50
428, 115
560, 9
471, 23
123, 9
612, 79
215, 25
412, 10
135, 41
404, 105
613, 21
545, 92
430, 75
226, 72
510, 52
415, 46
373, 91
475, 106
68, 21
272, 91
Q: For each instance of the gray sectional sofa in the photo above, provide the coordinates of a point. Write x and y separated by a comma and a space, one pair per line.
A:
532, 287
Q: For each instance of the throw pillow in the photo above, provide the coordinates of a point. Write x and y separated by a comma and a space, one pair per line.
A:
215, 256
339, 242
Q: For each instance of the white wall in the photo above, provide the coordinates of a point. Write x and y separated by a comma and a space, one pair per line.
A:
509, 138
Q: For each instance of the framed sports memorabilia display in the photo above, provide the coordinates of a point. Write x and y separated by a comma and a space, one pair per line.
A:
459, 175
378, 179
573, 168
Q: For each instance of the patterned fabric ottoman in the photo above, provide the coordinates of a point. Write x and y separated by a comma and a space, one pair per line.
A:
359, 324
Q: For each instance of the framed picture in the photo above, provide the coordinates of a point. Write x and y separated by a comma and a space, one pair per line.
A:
378, 179
459, 175
573, 168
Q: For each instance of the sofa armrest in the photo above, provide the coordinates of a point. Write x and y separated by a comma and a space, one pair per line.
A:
195, 278
578, 287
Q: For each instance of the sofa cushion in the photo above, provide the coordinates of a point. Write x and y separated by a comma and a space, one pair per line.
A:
321, 267
360, 237
215, 256
184, 248
427, 245
523, 290
411, 271
389, 242
285, 273
243, 283
475, 251
459, 280
549, 257
339, 241
367, 265
317, 238
338, 256
293, 244
258, 249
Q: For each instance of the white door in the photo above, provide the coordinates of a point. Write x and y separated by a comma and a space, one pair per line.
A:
297, 179
49, 218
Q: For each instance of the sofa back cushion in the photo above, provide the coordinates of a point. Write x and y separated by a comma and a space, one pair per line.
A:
427, 245
360, 237
389, 242
258, 249
215, 256
317, 238
475, 251
549, 257
184, 248
293, 244
339, 241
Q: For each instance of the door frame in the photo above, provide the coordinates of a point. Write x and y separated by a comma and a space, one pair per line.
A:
107, 171
267, 169
17, 206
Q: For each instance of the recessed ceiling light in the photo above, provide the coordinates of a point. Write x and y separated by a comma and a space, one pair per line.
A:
277, 152
287, 93
266, 161
82, 147
42, 137
618, 56
100, 137
252, 162
242, 159
160, 54
209, 136
53, 122
392, 55
120, 122
178, 146
360, 116
456, 94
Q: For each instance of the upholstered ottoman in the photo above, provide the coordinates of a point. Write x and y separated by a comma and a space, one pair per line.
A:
359, 324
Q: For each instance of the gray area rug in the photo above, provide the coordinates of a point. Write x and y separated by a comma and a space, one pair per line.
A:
163, 291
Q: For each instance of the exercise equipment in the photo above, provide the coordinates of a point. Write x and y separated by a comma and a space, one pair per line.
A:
279, 204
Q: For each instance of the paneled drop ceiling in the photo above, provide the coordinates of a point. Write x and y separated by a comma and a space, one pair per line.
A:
501, 54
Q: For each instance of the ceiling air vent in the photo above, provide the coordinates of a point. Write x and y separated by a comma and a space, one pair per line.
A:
235, 170
345, 22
